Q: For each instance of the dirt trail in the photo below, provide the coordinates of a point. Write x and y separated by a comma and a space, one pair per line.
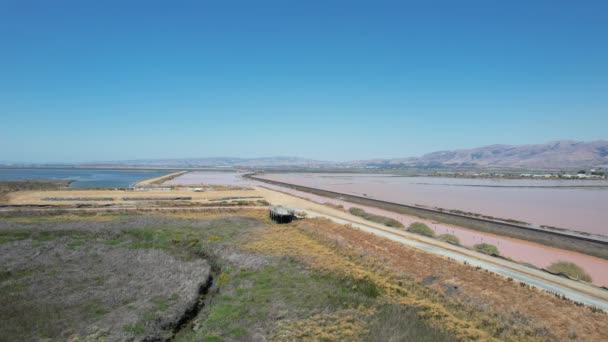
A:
160, 180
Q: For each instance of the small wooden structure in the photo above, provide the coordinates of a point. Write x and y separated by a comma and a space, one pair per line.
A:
280, 214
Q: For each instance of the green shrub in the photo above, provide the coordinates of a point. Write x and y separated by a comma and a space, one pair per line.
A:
487, 249
570, 269
421, 228
357, 211
453, 239
387, 221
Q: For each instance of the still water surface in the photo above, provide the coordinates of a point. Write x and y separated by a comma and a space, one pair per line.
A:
83, 178
572, 204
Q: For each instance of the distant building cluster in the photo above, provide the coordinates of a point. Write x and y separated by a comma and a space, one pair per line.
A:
598, 173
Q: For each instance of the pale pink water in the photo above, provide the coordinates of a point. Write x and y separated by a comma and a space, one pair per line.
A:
208, 178
580, 209
518, 250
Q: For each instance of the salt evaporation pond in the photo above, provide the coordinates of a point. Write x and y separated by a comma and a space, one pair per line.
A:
83, 178
580, 205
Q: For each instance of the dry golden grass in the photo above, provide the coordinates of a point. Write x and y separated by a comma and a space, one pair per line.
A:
293, 241
344, 325
35, 197
261, 214
64, 218
484, 300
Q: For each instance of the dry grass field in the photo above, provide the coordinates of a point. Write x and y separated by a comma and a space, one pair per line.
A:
233, 275
7, 187
100, 197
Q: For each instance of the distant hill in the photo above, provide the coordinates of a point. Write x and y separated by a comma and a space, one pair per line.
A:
563, 154
223, 162
552, 155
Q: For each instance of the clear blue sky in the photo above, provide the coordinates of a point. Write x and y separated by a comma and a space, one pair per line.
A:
335, 80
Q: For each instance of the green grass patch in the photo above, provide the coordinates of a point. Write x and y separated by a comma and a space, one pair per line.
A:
487, 249
11, 235
15, 275
421, 229
94, 309
161, 304
114, 242
40, 236
570, 269
135, 329
251, 297
12, 288
387, 221
75, 244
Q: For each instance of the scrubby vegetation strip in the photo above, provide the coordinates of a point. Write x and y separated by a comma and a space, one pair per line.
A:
387, 221
486, 248
569, 269
421, 229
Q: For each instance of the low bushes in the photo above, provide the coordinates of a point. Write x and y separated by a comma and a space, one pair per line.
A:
387, 221
421, 228
335, 206
570, 269
453, 239
487, 249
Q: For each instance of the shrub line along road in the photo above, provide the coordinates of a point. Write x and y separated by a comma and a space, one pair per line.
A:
576, 291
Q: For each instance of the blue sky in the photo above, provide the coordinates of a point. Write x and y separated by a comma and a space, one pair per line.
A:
334, 80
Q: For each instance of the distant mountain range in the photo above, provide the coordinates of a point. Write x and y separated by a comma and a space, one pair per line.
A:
552, 155
563, 154
222, 162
